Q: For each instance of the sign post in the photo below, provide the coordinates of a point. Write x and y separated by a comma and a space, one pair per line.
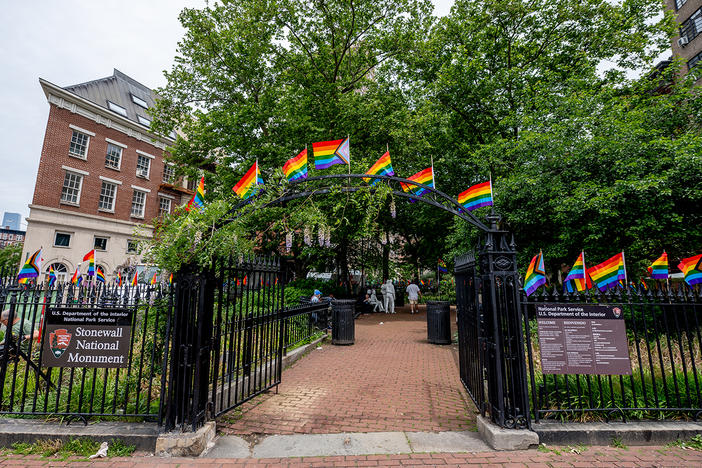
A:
582, 339
86, 337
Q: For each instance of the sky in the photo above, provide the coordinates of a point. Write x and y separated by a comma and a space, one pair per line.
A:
68, 42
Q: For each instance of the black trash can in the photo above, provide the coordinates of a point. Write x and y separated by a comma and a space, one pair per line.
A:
343, 326
439, 322
399, 297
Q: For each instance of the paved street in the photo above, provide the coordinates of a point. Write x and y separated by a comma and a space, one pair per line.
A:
590, 457
391, 379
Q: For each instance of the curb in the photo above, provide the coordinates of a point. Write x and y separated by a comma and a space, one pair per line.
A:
506, 439
629, 433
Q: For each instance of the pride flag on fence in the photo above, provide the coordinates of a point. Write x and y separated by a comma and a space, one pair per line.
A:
328, 153
135, 279
442, 266
659, 268
692, 269
382, 166
576, 275
100, 275
246, 187
118, 280
608, 273
31, 267
477, 196
296, 168
76, 279
52, 276
154, 280
90, 258
425, 177
535, 274
198, 200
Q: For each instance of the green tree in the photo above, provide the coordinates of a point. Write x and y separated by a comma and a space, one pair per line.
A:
10, 257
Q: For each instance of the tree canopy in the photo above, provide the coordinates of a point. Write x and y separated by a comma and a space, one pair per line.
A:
532, 93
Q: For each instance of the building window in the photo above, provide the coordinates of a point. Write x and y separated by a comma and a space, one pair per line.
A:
62, 239
168, 173
679, 4
10, 237
164, 206
192, 183
113, 159
115, 108
694, 61
138, 204
144, 121
100, 243
79, 145
692, 27
143, 165
139, 102
132, 246
60, 271
71, 188
108, 193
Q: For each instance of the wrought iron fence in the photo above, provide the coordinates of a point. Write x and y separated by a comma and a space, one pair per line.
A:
94, 390
302, 323
664, 341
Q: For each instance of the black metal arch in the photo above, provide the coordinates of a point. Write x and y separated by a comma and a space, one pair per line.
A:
434, 198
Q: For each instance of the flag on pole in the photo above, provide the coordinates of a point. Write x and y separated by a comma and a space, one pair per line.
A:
90, 258
100, 275
328, 153
154, 280
75, 279
576, 275
425, 177
31, 267
442, 266
136, 277
246, 187
477, 196
659, 268
52, 276
692, 269
198, 200
535, 274
118, 280
296, 168
608, 273
170, 279
382, 166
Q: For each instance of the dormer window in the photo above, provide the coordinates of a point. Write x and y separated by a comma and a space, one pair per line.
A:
115, 108
139, 102
144, 121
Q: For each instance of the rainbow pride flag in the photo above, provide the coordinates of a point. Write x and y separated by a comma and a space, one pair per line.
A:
247, 185
659, 268
100, 275
477, 196
76, 279
31, 267
576, 276
441, 266
382, 166
535, 274
328, 153
90, 258
607, 274
136, 277
692, 269
296, 168
643, 285
154, 280
425, 177
198, 200
52, 276
170, 279
118, 280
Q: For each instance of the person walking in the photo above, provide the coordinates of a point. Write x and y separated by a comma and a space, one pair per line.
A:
413, 294
388, 291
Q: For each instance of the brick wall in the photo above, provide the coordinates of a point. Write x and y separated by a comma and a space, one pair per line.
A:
50, 177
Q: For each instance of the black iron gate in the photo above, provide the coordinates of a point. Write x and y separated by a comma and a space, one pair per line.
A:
491, 343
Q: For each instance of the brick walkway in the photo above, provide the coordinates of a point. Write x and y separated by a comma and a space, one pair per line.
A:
391, 379
590, 457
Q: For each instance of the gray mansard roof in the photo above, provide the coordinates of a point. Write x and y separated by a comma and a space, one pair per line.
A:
119, 89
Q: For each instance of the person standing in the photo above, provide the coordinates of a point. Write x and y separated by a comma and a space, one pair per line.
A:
388, 291
413, 294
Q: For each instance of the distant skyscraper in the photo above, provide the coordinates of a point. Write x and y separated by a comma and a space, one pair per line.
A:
11, 221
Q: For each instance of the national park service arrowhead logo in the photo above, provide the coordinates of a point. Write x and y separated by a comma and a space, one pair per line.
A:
59, 341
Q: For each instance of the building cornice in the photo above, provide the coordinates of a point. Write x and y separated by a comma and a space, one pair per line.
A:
84, 215
79, 105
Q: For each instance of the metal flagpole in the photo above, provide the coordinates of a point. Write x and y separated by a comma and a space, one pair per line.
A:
433, 180
626, 280
584, 272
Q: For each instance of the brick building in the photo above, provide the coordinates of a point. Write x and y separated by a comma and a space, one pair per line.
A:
687, 44
102, 177
10, 237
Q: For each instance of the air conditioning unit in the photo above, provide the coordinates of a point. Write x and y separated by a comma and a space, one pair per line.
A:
682, 42
142, 173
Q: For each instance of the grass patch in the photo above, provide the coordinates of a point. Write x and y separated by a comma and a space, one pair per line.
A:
80, 447
695, 443
617, 443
